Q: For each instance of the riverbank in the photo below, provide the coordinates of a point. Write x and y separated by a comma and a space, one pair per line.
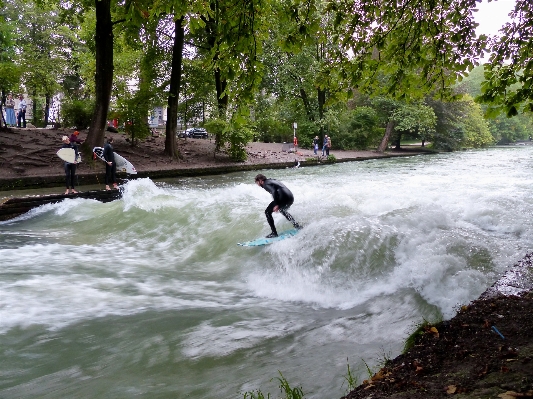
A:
28, 158
484, 352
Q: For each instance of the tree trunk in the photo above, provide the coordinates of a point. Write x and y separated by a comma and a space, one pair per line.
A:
307, 105
104, 74
222, 99
398, 142
173, 95
385, 140
46, 109
34, 108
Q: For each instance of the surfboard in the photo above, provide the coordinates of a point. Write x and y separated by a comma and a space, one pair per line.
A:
99, 152
67, 154
123, 165
265, 241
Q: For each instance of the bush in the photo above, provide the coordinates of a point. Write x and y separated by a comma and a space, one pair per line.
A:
77, 113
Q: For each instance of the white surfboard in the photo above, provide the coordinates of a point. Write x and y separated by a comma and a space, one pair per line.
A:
123, 165
265, 241
67, 155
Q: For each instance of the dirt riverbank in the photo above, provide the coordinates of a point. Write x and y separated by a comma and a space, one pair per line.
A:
28, 158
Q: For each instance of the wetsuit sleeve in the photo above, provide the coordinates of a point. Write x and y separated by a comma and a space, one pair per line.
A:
108, 153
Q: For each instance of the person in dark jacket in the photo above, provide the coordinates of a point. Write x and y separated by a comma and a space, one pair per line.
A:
74, 139
110, 164
70, 168
283, 199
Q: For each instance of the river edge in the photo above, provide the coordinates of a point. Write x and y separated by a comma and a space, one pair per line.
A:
28, 158
484, 352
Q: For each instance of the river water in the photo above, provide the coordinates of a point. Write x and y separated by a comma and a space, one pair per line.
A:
150, 296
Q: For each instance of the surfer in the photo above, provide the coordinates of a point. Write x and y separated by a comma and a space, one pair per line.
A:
110, 164
70, 168
283, 199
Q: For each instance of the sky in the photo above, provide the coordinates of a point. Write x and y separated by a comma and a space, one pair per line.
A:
491, 16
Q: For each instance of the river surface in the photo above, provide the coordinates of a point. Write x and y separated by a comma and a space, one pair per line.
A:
151, 297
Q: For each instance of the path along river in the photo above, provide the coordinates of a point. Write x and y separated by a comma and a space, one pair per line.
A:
150, 296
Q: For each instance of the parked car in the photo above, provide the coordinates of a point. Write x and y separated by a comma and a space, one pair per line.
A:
186, 133
198, 133
194, 132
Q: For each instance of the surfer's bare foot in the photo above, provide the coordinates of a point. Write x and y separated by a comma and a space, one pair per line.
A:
115, 185
107, 188
73, 192
66, 192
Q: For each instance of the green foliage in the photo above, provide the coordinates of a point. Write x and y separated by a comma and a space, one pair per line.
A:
238, 137
131, 111
305, 133
350, 379
77, 113
476, 129
401, 55
369, 371
504, 129
255, 395
233, 135
217, 127
272, 130
358, 129
286, 389
509, 74
331, 158
290, 393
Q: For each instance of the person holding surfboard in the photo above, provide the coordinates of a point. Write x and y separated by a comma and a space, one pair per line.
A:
110, 164
70, 168
283, 200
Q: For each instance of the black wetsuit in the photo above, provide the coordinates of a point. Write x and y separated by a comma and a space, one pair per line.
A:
282, 198
110, 170
70, 168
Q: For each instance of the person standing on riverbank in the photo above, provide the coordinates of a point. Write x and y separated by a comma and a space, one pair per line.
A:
10, 111
324, 144
283, 200
70, 168
316, 140
110, 164
21, 115
328, 145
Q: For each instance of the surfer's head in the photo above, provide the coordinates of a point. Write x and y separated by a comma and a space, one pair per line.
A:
110, 140
260, 179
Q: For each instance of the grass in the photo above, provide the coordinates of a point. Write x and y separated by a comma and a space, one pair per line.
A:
286, 389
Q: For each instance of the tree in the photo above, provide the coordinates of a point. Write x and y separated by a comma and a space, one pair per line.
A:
103, 40
41, 49
417, 119
405, 52
509, 73
9, 71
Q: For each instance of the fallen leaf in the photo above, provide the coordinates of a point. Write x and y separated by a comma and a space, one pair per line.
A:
510, 395
451, 389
